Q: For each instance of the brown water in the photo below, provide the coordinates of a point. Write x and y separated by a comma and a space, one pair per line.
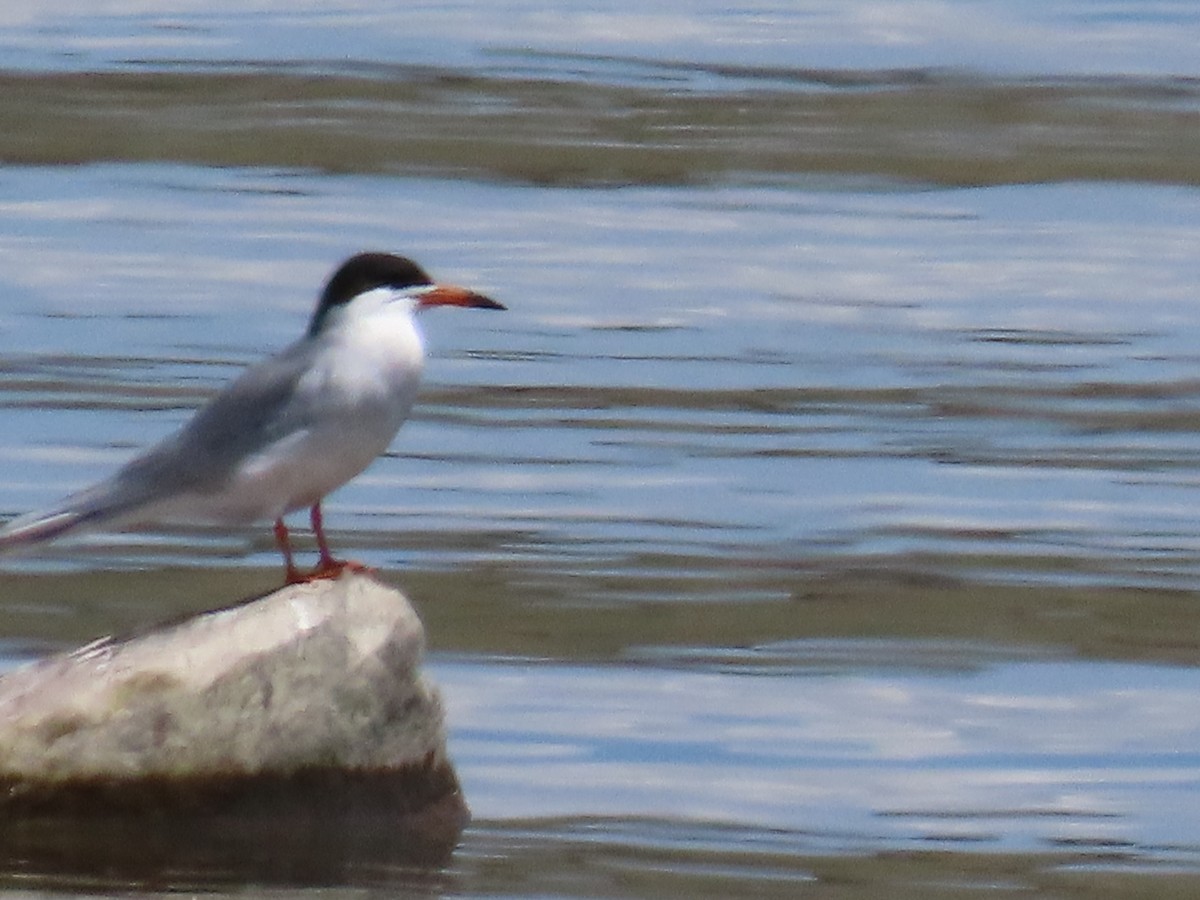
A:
819, 519
942, 128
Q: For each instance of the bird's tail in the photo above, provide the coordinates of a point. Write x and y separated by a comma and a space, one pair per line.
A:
93, 508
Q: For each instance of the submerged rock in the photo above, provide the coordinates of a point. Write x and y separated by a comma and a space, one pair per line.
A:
294, 732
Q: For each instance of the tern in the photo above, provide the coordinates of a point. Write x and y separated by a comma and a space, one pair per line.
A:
289, 430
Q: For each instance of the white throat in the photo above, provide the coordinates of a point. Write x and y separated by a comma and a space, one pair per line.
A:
373, 345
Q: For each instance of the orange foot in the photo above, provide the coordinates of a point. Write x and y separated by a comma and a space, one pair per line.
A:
326, 570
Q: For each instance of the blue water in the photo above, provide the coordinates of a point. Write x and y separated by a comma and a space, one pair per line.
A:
993, 36
1012, 757
694, 385
1037, 316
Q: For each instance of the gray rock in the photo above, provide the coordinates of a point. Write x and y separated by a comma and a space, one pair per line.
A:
296, 730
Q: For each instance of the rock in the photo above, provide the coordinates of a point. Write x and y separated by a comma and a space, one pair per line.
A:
293, 734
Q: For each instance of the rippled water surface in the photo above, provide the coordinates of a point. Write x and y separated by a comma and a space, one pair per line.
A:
821, 515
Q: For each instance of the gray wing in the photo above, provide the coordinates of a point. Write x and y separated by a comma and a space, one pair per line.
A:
257, 410
253, 412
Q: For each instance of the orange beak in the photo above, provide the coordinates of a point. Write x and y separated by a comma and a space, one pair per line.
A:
452, 295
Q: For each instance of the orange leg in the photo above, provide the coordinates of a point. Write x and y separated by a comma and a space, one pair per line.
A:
326, 560
327, 565
292, 575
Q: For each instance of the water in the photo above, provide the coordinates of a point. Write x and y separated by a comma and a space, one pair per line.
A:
821, 512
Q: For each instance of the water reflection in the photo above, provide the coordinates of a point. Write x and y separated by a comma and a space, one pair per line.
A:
795, 513
1017, 757
1006, 407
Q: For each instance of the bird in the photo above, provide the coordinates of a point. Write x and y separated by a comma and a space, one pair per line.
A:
289, 430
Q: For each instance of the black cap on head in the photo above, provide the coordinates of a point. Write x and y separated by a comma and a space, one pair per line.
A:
364, 272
